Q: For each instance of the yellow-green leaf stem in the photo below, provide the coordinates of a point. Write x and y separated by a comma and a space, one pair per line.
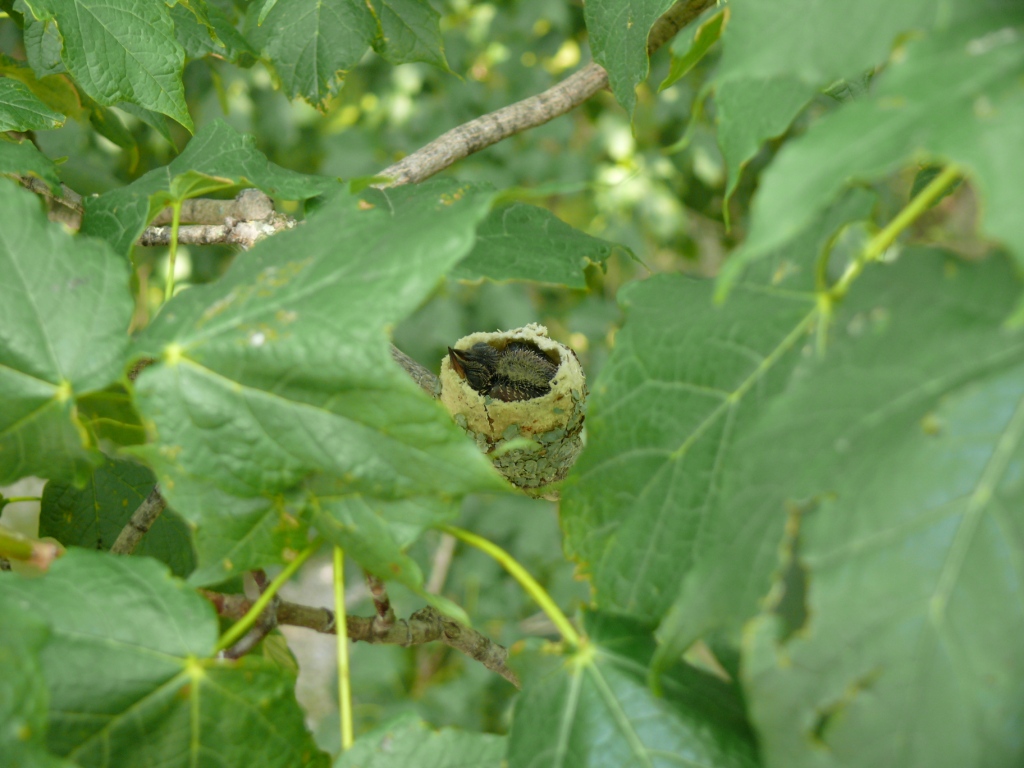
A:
244, 624
344, 675
175, 222
15, 546
878, 244
526, 581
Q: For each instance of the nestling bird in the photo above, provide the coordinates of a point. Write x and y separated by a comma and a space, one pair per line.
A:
520, 371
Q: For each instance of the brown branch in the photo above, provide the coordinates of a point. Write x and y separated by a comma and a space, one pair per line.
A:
674, 19
65, 207
242, 221
264, 624
442, 561
423, 376
243, 233
531, 112
425, 626
139, 523
385, 617
482, 132
247, 205
245, 221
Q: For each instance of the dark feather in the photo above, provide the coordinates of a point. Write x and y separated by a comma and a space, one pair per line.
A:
518, 372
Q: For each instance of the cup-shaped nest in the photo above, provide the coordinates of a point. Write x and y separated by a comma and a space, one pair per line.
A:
532, 442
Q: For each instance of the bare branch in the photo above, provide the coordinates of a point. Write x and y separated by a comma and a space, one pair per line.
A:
531, 112
379, 593
238, 219
243, 233
423, 376
139, 523
245, 221
496, 126
674, 19
442, 561
65, 207
425, 626
264, 624
248, 205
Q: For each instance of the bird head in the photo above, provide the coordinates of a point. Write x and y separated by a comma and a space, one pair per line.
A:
476, 365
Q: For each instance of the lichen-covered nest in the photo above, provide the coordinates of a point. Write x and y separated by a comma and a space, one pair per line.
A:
532, 442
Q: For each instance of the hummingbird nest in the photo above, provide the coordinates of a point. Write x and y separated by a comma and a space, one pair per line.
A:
532, 439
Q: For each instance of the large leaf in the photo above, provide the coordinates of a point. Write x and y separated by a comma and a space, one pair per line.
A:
956, 96
121, 50
820, 42
618, 36
525, 242
21, 110
24, 701
592, 708
220, 157
910, 488
912, 551
131, 678
281, 369
311, 44
92, 516
410, 741
64, 313
682, 380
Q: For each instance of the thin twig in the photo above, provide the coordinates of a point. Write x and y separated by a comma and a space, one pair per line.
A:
425, 626
263, 626
442, 561
531, 112
423, 376
247, 205
139, 523
381, 602
243, 233
221, 226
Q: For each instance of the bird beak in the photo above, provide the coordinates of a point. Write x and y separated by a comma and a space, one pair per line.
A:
455, 358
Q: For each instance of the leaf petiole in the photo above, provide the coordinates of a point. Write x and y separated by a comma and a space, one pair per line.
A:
237, 630
173, 254
344, 673
877, 245
526, 581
